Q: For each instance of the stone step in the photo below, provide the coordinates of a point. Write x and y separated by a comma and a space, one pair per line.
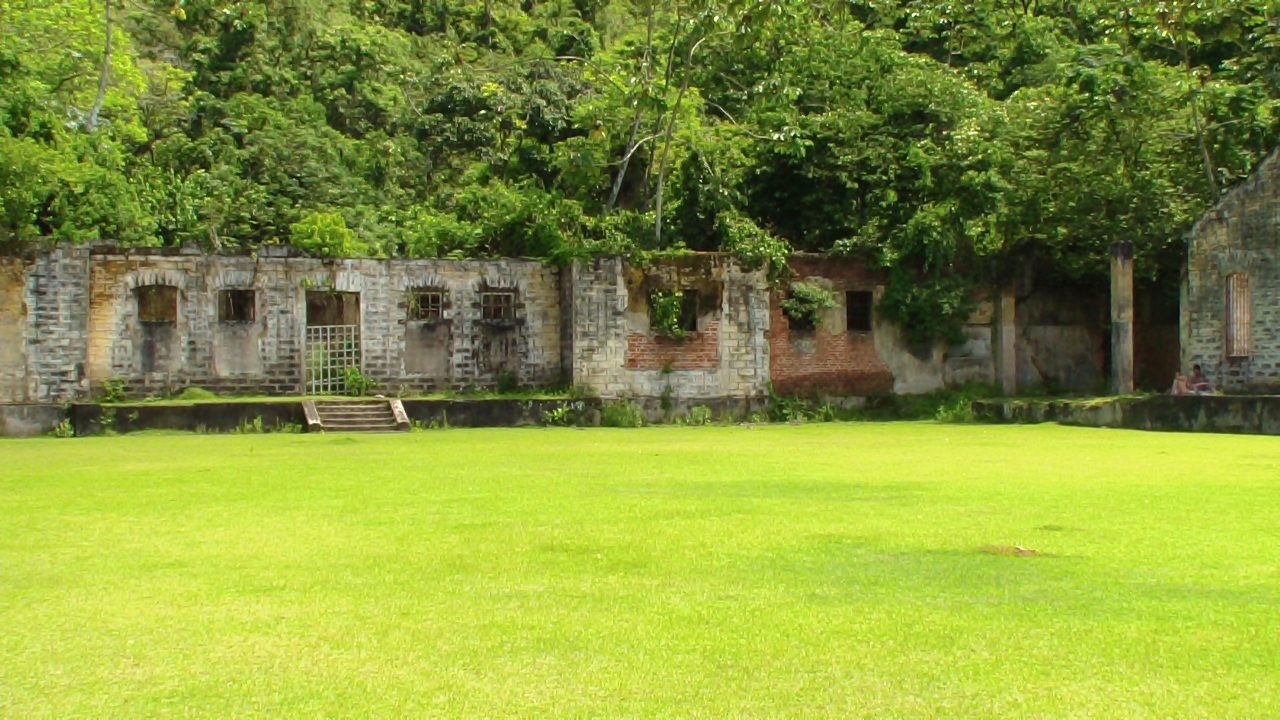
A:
381, 404
357, 416
369, 412
360, 427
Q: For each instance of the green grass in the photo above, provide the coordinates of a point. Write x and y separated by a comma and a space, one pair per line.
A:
832, 570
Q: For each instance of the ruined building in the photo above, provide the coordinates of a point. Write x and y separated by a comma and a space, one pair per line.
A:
75, 320
1230, 322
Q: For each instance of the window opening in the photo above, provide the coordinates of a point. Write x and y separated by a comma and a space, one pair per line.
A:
426, 305
236, 306
673, 313
858, 304
328, 307
498, 306
157, 304
1239, 316
690, 306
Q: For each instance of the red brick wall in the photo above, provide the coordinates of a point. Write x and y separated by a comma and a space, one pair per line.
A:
839, 362
697, 351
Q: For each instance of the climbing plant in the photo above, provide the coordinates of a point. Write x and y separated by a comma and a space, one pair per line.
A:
804, 304
664, 313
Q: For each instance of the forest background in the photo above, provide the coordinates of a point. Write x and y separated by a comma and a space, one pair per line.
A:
951, 143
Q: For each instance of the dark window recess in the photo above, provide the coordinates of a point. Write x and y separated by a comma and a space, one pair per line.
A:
426, 305
498, 306
157, 304
328, 308
690, 307
236, 306
687, 319
857, 307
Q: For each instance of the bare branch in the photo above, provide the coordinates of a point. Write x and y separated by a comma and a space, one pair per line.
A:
92, 123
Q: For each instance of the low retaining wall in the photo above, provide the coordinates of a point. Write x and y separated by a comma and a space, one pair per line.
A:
723, 409
1249, 414
498, 412
89, 419
30, 420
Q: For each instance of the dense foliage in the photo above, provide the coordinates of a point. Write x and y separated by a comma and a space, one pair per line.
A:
805, 303
951, 143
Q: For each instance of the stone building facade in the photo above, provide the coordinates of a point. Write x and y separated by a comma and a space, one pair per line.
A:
613, 350
75, 321
838, 354
1230, 322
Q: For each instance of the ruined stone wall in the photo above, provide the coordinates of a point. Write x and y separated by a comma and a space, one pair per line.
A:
1239, 235
1062, 339
265, 354
42, 326
830, 357
72, 319
13, 331
616, 353
195, 349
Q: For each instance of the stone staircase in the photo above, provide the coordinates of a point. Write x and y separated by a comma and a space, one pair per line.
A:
355, 416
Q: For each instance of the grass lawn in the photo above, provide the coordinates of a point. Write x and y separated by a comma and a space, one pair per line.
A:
836, 570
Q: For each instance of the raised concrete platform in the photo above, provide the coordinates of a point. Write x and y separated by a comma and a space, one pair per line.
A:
24, 420
93, 419
1250, 414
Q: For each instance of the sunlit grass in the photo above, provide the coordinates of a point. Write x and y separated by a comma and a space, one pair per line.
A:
877, 570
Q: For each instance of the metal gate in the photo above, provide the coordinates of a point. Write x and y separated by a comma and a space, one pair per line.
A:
331, 351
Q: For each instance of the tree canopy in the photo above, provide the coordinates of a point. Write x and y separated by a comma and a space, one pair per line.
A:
949, 143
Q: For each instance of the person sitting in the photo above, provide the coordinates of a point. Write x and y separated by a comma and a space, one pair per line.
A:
1198, 382
1180, 385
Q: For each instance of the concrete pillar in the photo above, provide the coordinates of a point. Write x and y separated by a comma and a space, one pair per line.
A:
1122, 317
1005, 341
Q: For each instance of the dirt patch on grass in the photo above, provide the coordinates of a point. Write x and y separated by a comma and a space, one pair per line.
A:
1009, 551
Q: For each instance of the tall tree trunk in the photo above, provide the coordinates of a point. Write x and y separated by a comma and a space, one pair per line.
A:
666, 143
1205, 156
632, 144
92, 123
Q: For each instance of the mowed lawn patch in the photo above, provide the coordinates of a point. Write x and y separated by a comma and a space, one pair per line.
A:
835, 570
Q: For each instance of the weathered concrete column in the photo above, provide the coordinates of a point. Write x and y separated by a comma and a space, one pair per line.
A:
1005, 340
1122, 317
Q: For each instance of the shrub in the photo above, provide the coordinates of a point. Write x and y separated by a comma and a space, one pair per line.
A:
429, 234
700, 415
804, 304
113, 390
928, 310
622, 413
557, 415
358, 383
326, 235
195, 393
665, 307
507, 382
753, 245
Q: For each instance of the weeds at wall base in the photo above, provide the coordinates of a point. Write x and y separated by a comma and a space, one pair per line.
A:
621, 413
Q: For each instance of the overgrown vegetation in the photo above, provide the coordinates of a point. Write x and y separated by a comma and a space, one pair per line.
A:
665, 310
951, 145
621, 414
113, 391
357, 383
195, 394
805, 303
